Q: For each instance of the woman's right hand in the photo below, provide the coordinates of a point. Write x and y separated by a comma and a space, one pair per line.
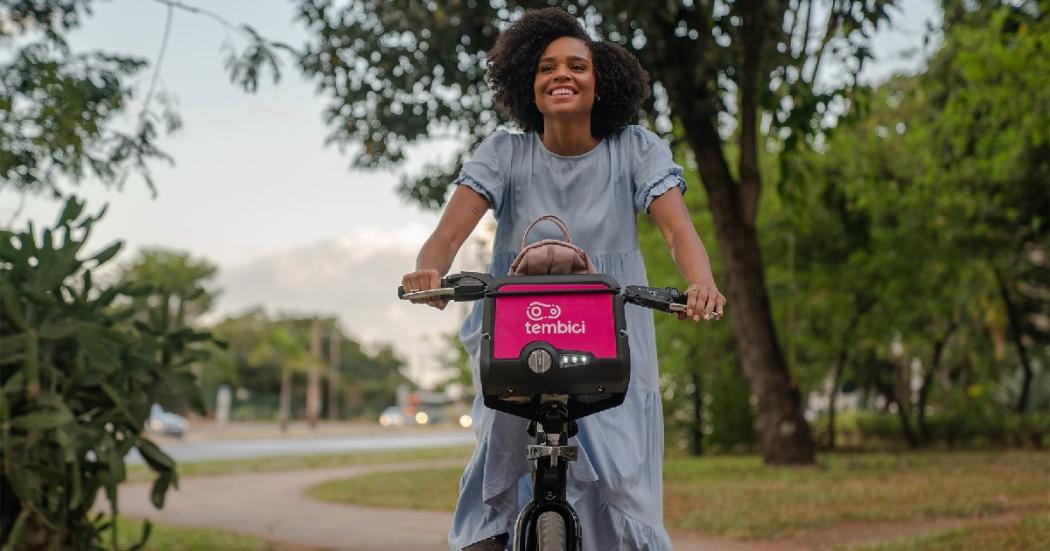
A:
424, 280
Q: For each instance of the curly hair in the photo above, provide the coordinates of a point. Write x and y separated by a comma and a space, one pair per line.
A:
620, 81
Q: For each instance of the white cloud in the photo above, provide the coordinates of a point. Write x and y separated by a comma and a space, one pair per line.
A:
354, 278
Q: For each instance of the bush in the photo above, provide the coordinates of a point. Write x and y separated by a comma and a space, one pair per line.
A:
977, 426
80, 370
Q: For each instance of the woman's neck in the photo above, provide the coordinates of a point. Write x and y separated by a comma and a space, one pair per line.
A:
568, 137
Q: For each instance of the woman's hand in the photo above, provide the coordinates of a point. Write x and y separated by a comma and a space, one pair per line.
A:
424, 280
705, 302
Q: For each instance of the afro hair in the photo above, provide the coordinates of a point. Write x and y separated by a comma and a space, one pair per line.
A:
620, 81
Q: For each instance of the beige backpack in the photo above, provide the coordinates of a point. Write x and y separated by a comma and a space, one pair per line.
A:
551, 256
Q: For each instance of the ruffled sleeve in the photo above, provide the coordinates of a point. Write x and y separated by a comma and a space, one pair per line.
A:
486, 171
654, 171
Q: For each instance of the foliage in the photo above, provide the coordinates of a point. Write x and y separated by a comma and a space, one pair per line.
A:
399, 72
918, 242
182, 291
981, 425
79, 376
60, 111
262, 347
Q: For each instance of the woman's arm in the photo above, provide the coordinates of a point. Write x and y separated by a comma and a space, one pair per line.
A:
669, 212
462, 213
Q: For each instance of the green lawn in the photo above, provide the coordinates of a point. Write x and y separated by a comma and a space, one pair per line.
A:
1031, 533
177, 538
737, 497
140, 473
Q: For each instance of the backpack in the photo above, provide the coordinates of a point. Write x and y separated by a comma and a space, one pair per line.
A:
551, 256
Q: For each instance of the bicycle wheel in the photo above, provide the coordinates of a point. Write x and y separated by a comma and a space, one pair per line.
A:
550, 532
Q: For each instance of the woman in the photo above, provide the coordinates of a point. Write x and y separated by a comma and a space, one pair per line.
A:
578, 159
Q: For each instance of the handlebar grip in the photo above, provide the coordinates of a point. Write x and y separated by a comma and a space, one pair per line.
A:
667, 299
463, 286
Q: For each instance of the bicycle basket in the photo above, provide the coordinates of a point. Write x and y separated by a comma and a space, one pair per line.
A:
559, 337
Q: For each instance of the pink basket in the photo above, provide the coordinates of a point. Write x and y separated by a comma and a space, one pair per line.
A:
571, 326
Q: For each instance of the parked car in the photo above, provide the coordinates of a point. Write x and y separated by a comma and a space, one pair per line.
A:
398, 416
166, 422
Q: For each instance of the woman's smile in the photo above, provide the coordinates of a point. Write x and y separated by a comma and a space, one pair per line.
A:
564, 83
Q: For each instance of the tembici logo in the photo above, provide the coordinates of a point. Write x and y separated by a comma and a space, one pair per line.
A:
544, 321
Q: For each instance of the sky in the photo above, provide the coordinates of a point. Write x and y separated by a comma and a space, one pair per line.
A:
255, 191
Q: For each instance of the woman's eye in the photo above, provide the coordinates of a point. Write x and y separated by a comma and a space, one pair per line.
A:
546, 68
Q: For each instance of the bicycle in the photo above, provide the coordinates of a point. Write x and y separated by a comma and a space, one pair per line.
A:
554, 349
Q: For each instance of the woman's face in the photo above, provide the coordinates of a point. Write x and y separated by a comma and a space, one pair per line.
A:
564, 83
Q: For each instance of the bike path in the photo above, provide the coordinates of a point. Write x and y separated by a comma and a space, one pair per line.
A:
273, 505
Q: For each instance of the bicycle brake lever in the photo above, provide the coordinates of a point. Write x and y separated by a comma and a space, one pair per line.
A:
452, 288
667, 299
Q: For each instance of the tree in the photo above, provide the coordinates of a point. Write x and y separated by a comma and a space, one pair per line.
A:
399, 71
935, 197
60, 111
180, 285
77, 382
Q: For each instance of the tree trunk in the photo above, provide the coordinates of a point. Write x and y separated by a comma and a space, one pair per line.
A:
784, 433
836, 378
334, 382
840, 365
1016, 331
697, 431
284, 411
313, 376
928, 379
902, 397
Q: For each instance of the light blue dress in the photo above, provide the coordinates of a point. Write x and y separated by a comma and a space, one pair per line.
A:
616, 484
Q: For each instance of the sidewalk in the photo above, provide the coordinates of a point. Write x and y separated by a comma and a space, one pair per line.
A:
272, 505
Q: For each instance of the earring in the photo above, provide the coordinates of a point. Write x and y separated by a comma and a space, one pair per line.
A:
597, 97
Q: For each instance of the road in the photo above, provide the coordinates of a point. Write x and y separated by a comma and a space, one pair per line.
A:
206, 450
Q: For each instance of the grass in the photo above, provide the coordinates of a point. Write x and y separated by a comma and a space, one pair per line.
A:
1028, 534
141, 473
427, 489
165, 537
737, 497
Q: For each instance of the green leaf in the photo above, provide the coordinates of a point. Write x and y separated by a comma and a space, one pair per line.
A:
71, 211
17, 534
147, 529
58, 330
43, 420
157, 459
160, 489
12, 304
107, 253
118, 402
13, 350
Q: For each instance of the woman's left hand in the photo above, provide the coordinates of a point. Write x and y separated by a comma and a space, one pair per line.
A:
705, 302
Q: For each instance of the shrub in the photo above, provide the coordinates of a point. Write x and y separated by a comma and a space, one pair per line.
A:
79, 370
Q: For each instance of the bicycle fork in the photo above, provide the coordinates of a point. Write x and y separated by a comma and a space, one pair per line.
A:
551, 456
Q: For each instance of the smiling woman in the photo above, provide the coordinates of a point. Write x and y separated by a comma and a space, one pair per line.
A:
581, 160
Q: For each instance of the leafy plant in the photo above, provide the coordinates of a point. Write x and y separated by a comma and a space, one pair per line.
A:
80, 371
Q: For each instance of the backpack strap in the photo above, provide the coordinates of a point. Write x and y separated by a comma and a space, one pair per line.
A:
557, 221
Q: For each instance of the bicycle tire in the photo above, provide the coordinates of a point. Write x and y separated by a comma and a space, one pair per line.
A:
550, 532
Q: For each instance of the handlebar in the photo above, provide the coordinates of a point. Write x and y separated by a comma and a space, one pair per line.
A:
458, 287
467, 286
667, 299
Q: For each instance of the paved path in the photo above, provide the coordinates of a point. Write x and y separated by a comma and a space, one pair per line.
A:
206, 450
272, 505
